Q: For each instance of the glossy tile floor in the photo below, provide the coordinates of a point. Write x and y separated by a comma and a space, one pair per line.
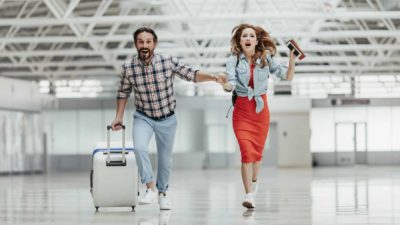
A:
353, 195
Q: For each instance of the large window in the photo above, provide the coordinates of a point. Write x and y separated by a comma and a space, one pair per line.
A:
371, 86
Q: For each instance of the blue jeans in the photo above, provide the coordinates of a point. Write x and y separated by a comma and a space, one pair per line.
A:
143, 129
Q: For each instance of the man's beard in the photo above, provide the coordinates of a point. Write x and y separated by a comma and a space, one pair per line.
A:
145, 54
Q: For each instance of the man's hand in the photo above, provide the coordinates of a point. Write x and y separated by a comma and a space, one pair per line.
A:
116, 124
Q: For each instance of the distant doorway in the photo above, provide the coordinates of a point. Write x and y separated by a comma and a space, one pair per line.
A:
351, 144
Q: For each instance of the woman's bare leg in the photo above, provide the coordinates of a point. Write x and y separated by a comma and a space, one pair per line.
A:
246, 170
256, 169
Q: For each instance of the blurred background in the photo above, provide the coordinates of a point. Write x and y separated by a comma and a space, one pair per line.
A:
333, 148
60, 61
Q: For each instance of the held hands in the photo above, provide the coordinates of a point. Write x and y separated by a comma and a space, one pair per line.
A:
221, 78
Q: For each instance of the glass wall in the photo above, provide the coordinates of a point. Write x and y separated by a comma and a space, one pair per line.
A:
380, 126
75, 132
21, 148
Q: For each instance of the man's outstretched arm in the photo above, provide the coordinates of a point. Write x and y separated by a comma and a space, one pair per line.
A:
203, 76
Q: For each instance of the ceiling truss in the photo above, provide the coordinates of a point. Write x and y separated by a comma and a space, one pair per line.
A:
77, 39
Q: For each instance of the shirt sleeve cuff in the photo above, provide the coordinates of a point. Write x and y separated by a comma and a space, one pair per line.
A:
195, 76
122, 96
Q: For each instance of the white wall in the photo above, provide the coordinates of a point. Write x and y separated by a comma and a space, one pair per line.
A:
202, 127
293, 139
292, 116
78, 131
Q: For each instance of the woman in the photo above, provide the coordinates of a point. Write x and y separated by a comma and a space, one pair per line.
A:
248, 70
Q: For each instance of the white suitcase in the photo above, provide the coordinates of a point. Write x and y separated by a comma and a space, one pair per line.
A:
114, 178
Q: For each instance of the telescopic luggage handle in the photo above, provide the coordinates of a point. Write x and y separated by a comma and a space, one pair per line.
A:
123, 161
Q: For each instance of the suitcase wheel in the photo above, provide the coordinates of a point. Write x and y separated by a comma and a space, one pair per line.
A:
97, 208
133, 208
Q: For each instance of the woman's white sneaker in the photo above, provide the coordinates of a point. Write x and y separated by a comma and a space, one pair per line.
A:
248, 201
164, 202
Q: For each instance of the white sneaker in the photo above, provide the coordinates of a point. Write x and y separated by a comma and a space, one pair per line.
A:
149, 197
164, 202
248, 201
254, 188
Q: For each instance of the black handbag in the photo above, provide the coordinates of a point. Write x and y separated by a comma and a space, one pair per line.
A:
234, 97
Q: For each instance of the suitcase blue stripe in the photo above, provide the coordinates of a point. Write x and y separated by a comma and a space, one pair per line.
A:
111, 149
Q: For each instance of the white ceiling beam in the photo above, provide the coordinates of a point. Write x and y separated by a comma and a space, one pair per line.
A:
22, 10
71, 74
51, 5
102, 8
56, 64
389, 23
299, 67
223, 50
313, 59
324, 68
111, 74
174, 37
72, 5
205, 18
16, 29
57, 9
40, 31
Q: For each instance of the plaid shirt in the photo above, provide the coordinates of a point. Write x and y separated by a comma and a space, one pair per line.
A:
153, 83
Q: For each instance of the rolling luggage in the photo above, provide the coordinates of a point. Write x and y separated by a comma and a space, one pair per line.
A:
114, 180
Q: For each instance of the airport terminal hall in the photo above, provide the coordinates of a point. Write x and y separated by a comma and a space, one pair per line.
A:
200, 112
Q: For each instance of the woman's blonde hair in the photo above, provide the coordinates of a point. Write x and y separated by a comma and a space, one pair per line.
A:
265, 43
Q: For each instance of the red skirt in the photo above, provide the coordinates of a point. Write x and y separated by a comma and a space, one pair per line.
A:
251, 128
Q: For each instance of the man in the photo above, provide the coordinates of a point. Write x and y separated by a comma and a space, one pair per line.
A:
151, 76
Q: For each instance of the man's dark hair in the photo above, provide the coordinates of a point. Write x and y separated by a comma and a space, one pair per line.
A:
145, 29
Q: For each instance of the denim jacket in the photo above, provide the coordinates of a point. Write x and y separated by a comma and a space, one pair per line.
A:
239, 77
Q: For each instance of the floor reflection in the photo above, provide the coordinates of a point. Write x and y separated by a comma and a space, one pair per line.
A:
356, 195
248, 217
163, 219
351, 197
287, 196
116, 216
